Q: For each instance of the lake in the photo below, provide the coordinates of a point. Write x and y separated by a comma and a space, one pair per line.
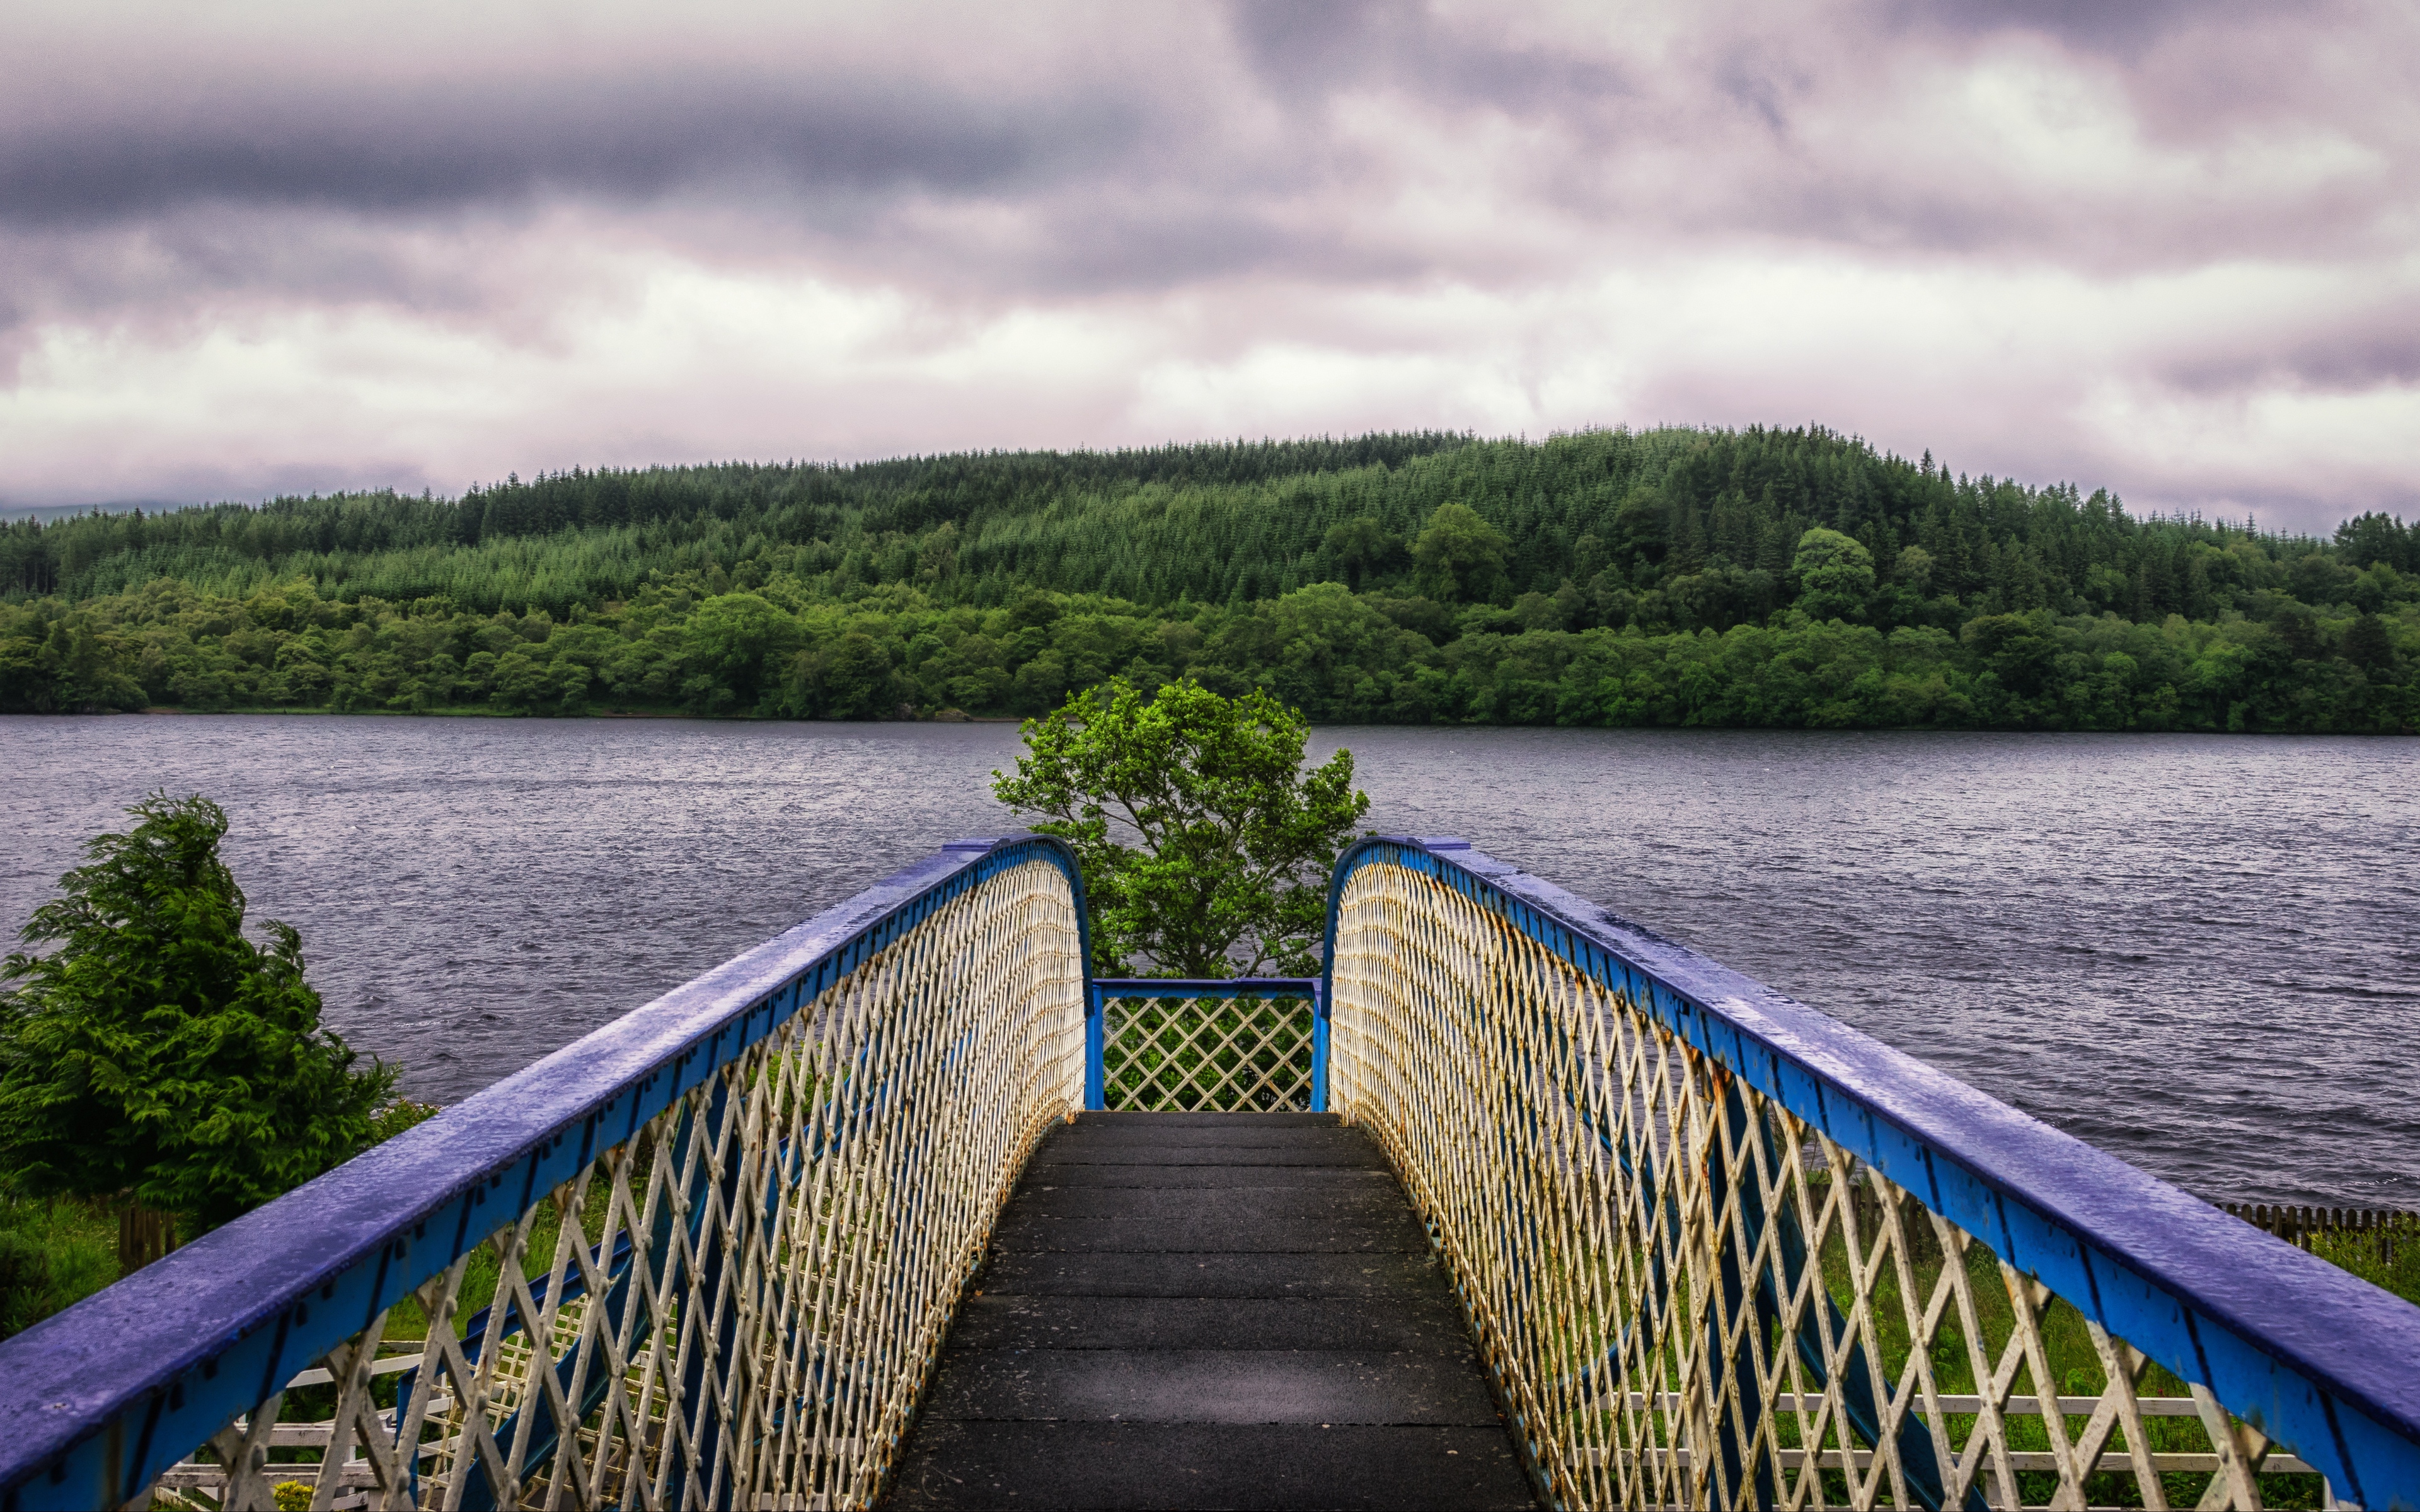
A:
2200, 952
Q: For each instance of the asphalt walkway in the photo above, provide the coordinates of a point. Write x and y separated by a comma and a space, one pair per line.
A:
1209, 1310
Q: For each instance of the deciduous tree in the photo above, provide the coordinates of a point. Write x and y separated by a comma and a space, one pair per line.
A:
1205, 844
1459, 557
1834, 575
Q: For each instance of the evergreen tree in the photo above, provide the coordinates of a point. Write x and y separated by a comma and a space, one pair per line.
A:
157, 1051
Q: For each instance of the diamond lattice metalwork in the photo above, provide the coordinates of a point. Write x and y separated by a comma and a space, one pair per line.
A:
739, 1305
1221, 1054
1688, 1297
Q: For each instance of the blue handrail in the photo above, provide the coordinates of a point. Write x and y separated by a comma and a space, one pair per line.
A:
2320, 1360
97, 1400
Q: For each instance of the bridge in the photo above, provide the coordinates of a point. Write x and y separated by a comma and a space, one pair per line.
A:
1517, 1203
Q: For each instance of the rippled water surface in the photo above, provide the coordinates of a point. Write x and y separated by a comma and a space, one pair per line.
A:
2201, 952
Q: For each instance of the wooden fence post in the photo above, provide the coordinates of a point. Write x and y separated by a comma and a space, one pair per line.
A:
144, 1235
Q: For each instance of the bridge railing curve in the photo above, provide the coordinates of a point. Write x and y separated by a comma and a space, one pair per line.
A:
704, 1257
1720, 1250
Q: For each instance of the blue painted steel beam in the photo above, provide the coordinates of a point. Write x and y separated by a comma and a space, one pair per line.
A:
1206, 986
97, 1400
2320, 1361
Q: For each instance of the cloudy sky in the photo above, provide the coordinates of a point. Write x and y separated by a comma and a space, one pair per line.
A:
246, 247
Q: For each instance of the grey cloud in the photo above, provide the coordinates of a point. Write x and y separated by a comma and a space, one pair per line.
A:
1274, 161
206, 265
1761, 83
1162, 175
2123, 29
1738, 128
2383, 350
1084, 245
1312, 53
2195, 70
631, 137
1310, 49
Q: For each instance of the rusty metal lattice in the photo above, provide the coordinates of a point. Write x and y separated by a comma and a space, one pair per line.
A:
1194, 1055
739, 1305
1688, 1296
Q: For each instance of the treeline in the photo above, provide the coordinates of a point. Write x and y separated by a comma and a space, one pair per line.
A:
694, 645
570, 538
1608, 510
1673, 577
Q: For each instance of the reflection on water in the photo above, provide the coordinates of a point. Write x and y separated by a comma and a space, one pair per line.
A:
2202, 953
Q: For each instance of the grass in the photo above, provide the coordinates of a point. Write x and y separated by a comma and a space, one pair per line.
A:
52, 1255
2364, 1256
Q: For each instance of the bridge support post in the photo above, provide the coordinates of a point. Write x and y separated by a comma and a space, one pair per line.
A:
1097, 1090
1319, 1046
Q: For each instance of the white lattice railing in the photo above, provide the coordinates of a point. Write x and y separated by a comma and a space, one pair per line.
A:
1719, 1251
705, 1257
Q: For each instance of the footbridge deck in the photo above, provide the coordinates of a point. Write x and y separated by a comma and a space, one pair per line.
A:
1210, 1310
1515, 1199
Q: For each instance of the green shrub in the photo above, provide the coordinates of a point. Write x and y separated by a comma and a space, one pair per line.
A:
397, 1115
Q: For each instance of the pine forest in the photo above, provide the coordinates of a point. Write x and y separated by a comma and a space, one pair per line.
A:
1672, 576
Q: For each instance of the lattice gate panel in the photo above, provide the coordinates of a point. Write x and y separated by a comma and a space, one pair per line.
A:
741, 1304
1211, 1055
1689, 1298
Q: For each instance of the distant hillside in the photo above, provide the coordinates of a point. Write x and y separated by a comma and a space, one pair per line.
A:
1674, 576
573, 537
1217, 522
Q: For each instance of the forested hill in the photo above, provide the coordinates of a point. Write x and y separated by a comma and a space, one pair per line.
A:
1674, 576
603, 533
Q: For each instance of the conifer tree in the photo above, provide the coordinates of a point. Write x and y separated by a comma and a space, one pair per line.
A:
157, 1051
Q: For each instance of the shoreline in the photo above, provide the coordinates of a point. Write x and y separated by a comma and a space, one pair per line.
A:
173, 711
473, 711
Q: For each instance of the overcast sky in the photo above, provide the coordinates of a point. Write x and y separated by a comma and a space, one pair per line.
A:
2170, 249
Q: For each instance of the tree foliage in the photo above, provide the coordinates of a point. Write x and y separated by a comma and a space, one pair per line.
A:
156, 1049
1205, 846
1834, 573
1396, 579
1460, 557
